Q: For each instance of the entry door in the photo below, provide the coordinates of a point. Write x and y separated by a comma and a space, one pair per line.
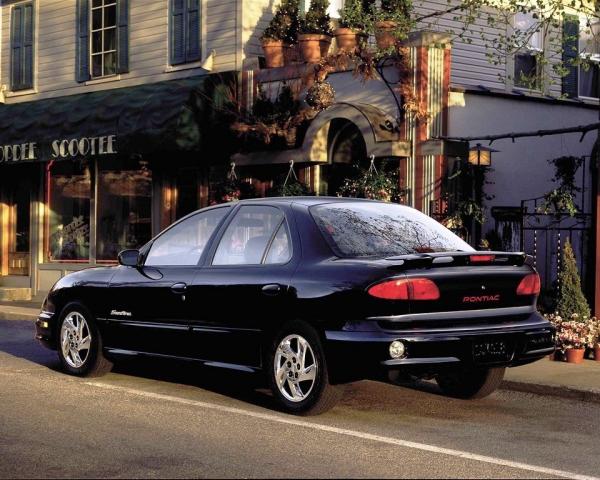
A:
16, 243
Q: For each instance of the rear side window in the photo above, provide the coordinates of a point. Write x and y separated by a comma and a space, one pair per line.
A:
257, 235
184, 243
368, 229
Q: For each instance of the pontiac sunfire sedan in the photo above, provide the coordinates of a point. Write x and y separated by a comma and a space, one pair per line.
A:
312, 293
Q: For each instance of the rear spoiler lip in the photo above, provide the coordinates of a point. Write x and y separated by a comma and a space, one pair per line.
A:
427, 259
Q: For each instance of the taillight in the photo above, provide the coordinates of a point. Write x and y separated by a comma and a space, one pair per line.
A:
530, 285
482, 258
406, 289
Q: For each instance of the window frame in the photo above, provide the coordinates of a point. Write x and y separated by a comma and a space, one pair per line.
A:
531, 52
582, 27
223, 229
145, 250
102, 29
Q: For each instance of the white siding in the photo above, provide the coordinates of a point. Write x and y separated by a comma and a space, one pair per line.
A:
256, 15
148, 44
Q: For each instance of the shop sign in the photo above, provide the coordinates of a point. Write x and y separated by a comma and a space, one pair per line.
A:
67, 148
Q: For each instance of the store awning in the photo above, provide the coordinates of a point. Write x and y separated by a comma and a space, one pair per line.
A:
143, 119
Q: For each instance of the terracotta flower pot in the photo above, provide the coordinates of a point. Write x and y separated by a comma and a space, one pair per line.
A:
575, 355
313, 46
347, 39
274, 53
291, 54
384, 34
597, 353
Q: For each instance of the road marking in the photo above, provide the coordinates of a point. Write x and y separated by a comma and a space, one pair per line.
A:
350, 433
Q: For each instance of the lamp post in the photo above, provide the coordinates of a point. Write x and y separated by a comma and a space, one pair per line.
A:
480, 158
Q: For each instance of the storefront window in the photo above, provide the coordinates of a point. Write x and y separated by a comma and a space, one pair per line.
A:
69, 193
124, 206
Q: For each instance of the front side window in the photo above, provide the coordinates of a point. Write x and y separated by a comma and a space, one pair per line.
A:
589, 70
248, 239
382, 230
527, 64
103, 37
184, 243
124, 206
21, 46
69, 194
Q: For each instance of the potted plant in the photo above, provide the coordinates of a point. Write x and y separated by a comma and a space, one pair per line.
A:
315, 32
353, 25
392, 17
573, 336
373, 184
279, 37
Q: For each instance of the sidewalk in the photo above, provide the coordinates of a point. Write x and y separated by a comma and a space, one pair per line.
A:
559, 379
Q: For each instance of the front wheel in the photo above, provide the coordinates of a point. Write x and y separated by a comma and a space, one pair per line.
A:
80, 343
298, 373
471, 383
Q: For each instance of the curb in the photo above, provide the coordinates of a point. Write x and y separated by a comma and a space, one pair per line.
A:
569, 393
15, 315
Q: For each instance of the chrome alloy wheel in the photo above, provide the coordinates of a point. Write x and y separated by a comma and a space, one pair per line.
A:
295, 368
75, 339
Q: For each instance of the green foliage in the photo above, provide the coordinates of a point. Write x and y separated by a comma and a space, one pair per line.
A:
354, 16
571, 299
284, 24
466, 210
293, 188
373, 184
278, 110
562, 199
317, 19
395, 9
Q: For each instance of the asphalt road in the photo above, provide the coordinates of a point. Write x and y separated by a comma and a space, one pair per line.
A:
164, 419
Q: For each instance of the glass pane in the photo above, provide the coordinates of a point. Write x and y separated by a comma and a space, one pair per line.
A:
97, 65
185, 242
69, 227
588, 81
110, 39
525, 70
247, 237
110, 16
96, 3
96, 19
97, 42
124, 207
280, 250
383, 230
110, 63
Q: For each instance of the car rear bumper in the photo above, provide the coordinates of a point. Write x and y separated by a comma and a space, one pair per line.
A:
504, 342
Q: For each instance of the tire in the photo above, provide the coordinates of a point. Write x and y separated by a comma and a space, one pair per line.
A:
75, 360
471, 383
297, 396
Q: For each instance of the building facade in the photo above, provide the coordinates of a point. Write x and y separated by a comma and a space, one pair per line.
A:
105, 130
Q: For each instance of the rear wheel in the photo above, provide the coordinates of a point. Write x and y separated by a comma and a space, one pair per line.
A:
80, 343
471, 383
298, 373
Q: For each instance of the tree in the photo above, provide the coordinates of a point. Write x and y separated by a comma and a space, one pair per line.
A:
571, 299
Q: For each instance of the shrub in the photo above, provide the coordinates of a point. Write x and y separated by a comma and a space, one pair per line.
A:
284, 24
571, 299
316, 19
354, 16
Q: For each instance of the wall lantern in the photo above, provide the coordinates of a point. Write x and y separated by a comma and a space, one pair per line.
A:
481, 156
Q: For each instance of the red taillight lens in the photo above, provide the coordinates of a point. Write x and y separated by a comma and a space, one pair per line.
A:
530, 285
406, 289
482, 258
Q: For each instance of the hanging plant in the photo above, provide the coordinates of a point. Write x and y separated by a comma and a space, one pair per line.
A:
291, 186
373, 184
233, 189
561, 200
320, 96
465, 210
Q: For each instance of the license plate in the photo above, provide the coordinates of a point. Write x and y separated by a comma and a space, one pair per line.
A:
490, 351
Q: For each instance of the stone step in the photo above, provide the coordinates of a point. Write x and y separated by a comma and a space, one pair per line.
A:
13, 294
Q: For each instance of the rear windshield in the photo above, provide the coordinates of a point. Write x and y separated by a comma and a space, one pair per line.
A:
382, 230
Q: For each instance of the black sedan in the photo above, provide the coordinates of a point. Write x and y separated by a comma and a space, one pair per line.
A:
312, 292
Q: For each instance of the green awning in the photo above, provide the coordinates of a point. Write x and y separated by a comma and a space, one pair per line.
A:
147, 118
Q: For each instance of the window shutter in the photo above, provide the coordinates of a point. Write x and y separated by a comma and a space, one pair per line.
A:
193, 31
570, 82
16, 47
28, 30
123, 27
83, 37
178, 31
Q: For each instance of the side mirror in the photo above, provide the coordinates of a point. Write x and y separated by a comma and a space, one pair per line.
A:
129, 258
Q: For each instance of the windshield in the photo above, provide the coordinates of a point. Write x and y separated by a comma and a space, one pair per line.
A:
365, 229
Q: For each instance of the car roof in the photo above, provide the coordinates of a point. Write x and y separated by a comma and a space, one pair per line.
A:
309, 201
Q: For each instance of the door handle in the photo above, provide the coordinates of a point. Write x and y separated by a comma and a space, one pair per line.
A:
179, 288
271, 289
